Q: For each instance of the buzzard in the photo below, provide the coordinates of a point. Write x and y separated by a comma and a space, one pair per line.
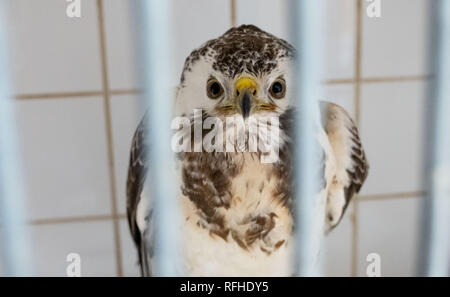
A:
238, 210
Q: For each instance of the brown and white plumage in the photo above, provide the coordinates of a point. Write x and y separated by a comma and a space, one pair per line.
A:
137, 172
237, 210
351, 164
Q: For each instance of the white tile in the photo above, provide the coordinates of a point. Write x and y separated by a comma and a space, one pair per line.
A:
395, 44
340, 94
51, 52
126, 115
391, 229
392, 123
194, 23
64, 151
339, 40
93, 241
121, 32
268, 15
339, 25
130, 261
337, 248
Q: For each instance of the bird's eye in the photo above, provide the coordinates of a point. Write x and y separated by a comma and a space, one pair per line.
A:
278, 89
214, 89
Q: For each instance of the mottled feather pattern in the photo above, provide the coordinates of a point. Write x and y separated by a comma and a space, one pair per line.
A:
245, 48
352, 166
206, 181
137, 173
358, 173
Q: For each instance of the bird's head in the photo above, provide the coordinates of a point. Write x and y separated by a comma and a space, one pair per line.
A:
245, 72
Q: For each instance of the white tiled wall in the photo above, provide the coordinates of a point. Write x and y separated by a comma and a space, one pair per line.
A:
396, 43
392, 119
66, 149
341, 94
389, 228
50, 52
337, 251
120, 38
63, 145
93, 241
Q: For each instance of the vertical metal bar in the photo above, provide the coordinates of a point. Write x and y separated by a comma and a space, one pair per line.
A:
233, 13
436, 229
154, 23
305, 30
13, 236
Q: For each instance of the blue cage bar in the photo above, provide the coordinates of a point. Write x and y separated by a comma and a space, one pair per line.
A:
155, 52
14, 250
305, 29
435, 252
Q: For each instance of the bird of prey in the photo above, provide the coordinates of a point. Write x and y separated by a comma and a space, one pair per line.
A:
237, 211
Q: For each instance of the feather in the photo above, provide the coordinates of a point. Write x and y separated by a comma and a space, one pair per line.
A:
137, 173
351, 163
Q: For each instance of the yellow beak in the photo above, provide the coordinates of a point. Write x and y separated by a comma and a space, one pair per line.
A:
246, 84
245, 88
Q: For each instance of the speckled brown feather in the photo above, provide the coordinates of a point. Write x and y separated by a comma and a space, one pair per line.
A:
137, 173
242, 48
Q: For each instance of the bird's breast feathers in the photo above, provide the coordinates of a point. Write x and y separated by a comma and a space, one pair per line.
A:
246, 232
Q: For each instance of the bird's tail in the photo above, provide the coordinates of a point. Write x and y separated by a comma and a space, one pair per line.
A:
144, 258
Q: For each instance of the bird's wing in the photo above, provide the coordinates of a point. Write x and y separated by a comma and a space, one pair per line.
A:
351, 164
137, 172
139, 205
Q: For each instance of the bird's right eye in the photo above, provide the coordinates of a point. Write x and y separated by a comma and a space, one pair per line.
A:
214, 89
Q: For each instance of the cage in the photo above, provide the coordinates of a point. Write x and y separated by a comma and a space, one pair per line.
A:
77, 98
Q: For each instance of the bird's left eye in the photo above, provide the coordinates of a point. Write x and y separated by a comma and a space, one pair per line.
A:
278, 89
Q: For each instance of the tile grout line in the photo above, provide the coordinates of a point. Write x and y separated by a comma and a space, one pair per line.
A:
125, 92
357, 111
79, 219
338, 81
121, 216
233, 13
381, 79
58, 95
64, 95
358, 56
390, 196
399, 78
109, 136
